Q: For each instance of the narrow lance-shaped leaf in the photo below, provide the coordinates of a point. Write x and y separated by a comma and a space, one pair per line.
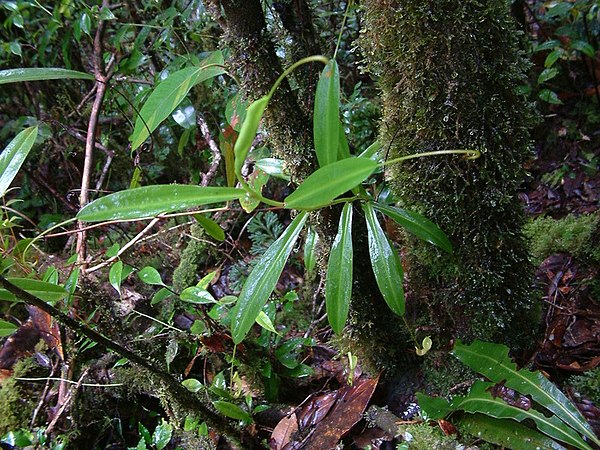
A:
480, 400
338, 290
418, 225
263, 279
41, 74
327, 115
248, 132
493, 361
149, 201
14, 155
48, 292
329, 182
169, 93
310, 249
386, 263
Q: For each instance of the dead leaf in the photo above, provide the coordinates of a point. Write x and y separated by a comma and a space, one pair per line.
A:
346, 412
48, 328
283, 432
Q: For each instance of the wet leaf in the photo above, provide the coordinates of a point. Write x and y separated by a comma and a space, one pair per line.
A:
48, 328
248, 132
338, 289
149, 201
211, 227
232, 411
283, 432
162, 435
264, 321
263, 279
192, 385
272, 167
48, 292
40, 74
326, 123
7, 328
310, 245
150, 275
386, 263
114, 276
329, 182
493, 361
13, 156
347, 411
169, 93
197, 296
418, 225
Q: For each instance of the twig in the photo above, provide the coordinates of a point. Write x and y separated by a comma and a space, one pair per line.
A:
212, 418
110, 260
109, 157
214, 149
66, 402
101, 81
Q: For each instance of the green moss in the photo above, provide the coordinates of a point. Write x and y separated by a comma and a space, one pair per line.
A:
588, 384
16, 402
448, 72
193, 258
572, 234
426, 437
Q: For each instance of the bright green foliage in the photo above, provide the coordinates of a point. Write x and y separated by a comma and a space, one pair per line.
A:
149, 201
14, 155
40, 74
326, 116
170, 93
338, 290
48, 292
492, 360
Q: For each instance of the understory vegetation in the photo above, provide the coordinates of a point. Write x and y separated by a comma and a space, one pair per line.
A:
300, 224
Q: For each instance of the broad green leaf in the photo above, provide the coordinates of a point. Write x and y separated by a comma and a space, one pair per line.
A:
507, 433
206, 280
211, 227
162, 294
14, 155
263, 279
272, 167
552, 57
150, 275
7, 328
263, 320
50, 293
197, 296
41, 74
106, 14
310, 249
386, 263
338, 289
328, 182
547, 74
418, 225
549, 96
149, 201
371, 151
169, 93
548, 45
248, 133
493, 361
162, 435
192, 385
327, 115
480, 400
114, 276
584, 47
232, 411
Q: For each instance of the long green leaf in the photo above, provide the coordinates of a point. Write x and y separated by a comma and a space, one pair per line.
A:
480, 400
7, 328
50, 293
386, 263
326, 123
248, 132
418, 225
263, 279
149, 201
14, 155
493, 361
328, 182
41, 74
169, 93
338, 290
507, 433
232, 410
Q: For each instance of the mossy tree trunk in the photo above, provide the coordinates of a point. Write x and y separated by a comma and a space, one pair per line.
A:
449, 72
